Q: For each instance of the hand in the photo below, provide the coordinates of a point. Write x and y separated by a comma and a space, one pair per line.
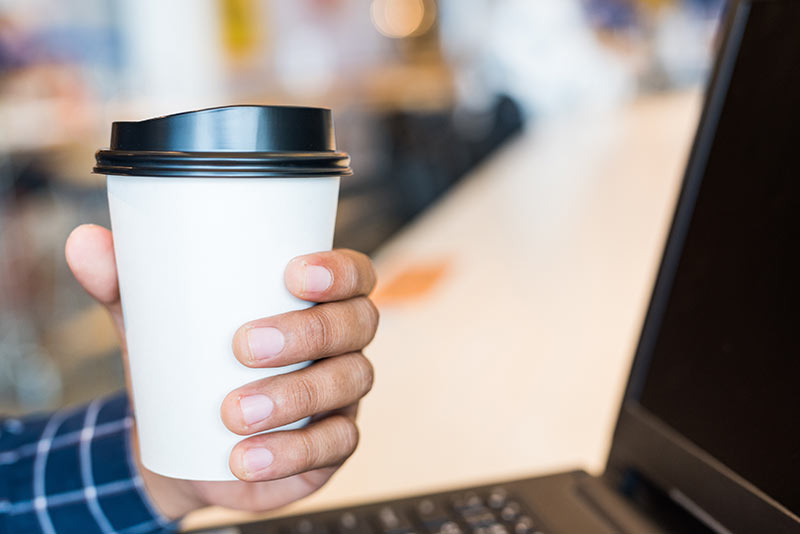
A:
276, 468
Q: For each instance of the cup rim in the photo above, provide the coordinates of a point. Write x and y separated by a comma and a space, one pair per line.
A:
221, 163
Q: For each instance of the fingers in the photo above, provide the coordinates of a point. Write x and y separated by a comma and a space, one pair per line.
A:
275, 401
324, 330
90, 255
328, 276
326, 443
343, 325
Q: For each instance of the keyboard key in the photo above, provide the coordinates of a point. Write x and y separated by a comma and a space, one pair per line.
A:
467, 500
393, 521
449, 527
479, 517
466, 512
349, 523
306, 526
494, 528
524, 525
511, 511
497, 498
432, 514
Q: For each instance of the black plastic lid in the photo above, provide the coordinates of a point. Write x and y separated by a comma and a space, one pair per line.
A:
230, 141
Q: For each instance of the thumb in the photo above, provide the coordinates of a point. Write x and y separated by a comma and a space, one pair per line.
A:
90, 256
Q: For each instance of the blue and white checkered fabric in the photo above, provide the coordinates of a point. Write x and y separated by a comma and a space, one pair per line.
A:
72, 472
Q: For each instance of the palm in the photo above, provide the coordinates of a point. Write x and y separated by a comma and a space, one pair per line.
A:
261, 496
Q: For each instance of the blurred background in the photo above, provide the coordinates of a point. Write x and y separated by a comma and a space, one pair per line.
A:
423, 91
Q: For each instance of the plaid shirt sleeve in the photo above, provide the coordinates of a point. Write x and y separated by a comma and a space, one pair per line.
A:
72, 471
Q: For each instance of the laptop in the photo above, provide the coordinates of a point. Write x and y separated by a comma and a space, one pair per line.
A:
708, 435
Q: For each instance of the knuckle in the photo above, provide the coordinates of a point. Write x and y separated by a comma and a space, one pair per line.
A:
353, 278
368, 277
367, 317
374, 313
364, 260
348, 436
322, 330
367, 309
304, 395
359, 268
307, 450
364, 373
372, 276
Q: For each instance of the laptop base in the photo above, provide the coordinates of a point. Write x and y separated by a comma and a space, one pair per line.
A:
564, 502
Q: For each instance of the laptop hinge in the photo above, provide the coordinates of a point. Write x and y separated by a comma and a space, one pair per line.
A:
613, 507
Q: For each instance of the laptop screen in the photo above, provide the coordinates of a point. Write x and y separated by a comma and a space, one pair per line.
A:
725, 367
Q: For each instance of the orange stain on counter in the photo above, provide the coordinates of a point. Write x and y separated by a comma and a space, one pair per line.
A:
411, 283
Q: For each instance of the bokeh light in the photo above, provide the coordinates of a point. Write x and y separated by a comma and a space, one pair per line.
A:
399, 19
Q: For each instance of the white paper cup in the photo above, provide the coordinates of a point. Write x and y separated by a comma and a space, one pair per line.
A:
197, 257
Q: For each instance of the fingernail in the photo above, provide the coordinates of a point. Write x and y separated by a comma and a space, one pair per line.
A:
255, 408
316, 279
264, 342
256, 459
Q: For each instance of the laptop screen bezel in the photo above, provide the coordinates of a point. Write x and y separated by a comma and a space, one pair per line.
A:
643, 443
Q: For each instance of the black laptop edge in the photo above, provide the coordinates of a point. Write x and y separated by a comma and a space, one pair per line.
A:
642, 443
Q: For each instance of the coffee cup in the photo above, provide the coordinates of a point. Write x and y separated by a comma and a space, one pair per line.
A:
207, 209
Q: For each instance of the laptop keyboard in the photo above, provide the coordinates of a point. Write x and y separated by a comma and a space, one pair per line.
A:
492, 512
